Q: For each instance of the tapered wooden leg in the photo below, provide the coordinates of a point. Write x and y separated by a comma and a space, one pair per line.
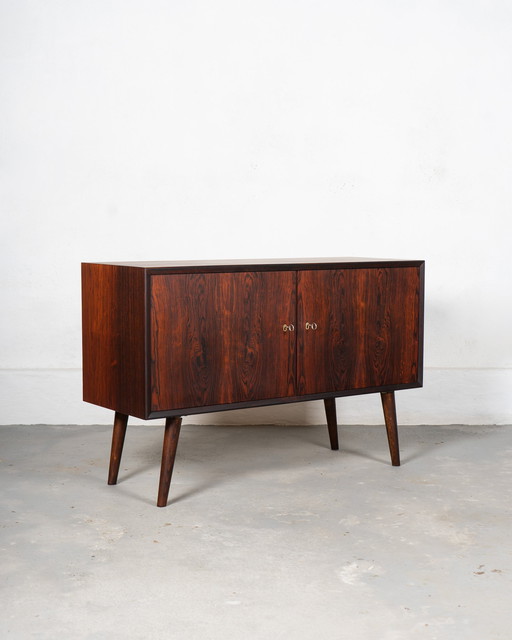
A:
171, 436
388, 405
332, 422
120, 422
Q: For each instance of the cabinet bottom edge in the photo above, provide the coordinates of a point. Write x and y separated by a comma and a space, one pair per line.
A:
190, 411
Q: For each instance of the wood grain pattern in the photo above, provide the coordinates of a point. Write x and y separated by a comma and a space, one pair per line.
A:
218, 338
369, 336
180, 338
368, 328
113, 338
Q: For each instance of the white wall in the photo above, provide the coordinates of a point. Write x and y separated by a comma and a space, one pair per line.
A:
172, 129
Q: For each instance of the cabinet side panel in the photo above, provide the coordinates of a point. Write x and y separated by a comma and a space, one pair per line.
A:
113, 336
218, 338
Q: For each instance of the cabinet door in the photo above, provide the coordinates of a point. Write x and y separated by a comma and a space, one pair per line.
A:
367, 331
218, 338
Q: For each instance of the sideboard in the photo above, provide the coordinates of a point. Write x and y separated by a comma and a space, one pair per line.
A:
169, 339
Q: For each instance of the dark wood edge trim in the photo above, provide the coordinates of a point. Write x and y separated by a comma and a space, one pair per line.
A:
83, 269
293, 266
261, 265
297, 335
273, 401
147, 340
421, 323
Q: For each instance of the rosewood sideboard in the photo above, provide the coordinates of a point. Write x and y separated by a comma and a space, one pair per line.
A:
169, 339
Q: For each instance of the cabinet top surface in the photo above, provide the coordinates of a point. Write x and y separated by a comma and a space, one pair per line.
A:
264, 263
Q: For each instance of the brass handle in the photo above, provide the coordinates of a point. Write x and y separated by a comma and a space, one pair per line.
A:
288, 327
311, 325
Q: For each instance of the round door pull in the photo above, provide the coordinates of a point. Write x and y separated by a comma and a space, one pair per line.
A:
311, 325
288, 327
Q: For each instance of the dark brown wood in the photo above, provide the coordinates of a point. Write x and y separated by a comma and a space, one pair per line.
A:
268, 402
117, 336
113, 330
388, 405
332, 422
421, 314
166, 339
171, 437
367, 328
218, 338
118, 434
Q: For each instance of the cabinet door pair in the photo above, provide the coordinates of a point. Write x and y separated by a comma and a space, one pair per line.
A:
220, 338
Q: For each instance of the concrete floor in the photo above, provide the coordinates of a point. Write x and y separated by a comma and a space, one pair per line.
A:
268, 534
